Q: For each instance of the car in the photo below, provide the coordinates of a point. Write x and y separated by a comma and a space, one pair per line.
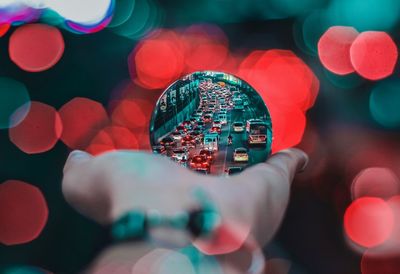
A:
238, 126
200, 124
223, 118
189, 141
181, 129
176, 135
167, 142
159, 149
198, 135
217, 123
193, 121
215, 130
232, 170
180, 154
200, 162
210, 141
207, 118
208, 153
252, 121
186, 123
240, 155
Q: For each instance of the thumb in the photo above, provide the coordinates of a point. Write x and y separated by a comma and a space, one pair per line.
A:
75, 158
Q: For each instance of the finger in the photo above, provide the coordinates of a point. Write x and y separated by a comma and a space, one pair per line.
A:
269, 186
75, 158
289, 162
89, 199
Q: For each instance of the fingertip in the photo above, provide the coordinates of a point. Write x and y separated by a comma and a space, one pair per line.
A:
76, 157
299, 156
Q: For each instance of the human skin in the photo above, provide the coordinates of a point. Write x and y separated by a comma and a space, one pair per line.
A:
105, 187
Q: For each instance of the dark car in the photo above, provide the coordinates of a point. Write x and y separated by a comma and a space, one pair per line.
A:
159, 149
181, 129
167, 142
233, 170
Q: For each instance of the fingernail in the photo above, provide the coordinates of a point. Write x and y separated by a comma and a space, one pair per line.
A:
306, 160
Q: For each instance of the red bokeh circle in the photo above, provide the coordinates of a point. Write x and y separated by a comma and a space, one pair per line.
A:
23, 212
39, 131
113, 138
82, 118
374, 55
369, 221
36, 47
157, 61
375, 182
334, 49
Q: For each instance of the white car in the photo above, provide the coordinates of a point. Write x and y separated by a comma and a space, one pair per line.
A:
217, 123
240, 155
180, 154
177, 136
238, 127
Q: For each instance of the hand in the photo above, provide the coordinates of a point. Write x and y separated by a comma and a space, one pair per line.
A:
105, 187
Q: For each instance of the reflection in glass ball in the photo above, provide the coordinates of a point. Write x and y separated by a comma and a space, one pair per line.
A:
213, 123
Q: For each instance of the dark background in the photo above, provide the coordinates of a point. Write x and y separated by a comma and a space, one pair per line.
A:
93, 65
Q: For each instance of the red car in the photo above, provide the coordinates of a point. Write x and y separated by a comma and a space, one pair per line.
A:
208, 153
188, 141
181, 129
215, 130
200, 162
207, 118
167, 142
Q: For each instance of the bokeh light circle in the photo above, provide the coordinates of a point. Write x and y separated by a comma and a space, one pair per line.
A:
39, 131
13, 96
23, 212
148, 61
364, 15
369, 221
36, 47
375, 182
112, 138
384, 103
82, 118
131, 113
334, 49
374, 55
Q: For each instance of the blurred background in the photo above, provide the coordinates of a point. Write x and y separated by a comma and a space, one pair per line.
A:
87, 75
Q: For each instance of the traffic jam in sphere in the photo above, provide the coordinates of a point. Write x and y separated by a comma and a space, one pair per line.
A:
212, 123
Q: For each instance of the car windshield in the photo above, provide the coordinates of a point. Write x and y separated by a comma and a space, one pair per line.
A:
258, 129
179, 151
241, 151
